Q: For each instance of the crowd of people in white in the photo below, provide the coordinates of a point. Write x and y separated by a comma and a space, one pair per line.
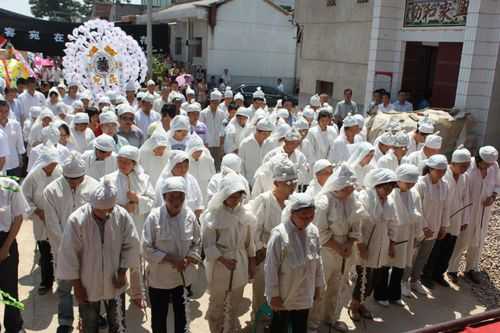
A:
134, 193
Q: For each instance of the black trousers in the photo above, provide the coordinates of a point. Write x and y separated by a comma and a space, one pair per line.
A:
356, 293
387, 282
437, 264
160, 299
296, 319
12, 319
115, 312
46, 264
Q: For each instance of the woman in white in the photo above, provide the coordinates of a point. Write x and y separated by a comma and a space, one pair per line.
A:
484, 178
362, 161
305, 147
201, 165
383, 144
234, 131
154, 154
395, 156
178, 165
263, 181
230, 163
179, 136
229, 244
136, 195
34, 113
294, 274
35, 134
267, 208
45, 170
101, 160
81, 132
171, 246
50, 138
344, 144
338, 217
433, 191
404, 232
322, 170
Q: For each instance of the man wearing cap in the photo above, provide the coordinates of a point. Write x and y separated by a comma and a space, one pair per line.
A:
258, 101
344, 144
484, 185
72, 95
294, 275
101, 160
239, 100
171, 244
214, 119
109, 125
234, 131
267, 207
254, 147
323, 135
228, 99
315, 103
394, 157
61, 198
151, 89
146, 115
163, 99
14, 206
100, 243
432, 146
345, 107
86, 98
322, 170
198, 127
81, 132
130, 91
127, 129
417, 137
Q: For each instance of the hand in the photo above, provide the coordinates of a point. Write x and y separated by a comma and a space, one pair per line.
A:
180, 265
347, 249
428, 233
4, 253
463, 227
363, 251
277, 304
260, 256
229, 263
489, 201
120, 280
130, 207
40, 213
132, 197
442, 233
80, 293
392, 251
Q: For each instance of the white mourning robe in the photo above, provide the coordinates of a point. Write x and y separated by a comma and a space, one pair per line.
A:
388, 161
178, 236
297, 157
194, 196
252, 154
233, 135
322, 141
62, 153
341, 150
267, 211
153, 165
203, 169
95, 261
458, 198
413, 146
142, 120
98, 169
82, 139
60, 201
435, 205
32, 187
416, 158
214, 185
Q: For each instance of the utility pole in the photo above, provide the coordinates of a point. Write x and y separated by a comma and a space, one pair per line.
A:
150, 38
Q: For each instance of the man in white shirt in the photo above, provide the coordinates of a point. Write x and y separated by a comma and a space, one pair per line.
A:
4, 149
226, 77
14, 133
386, 105
72, 95
146, 115
280, 86
402, 105
214, 119
30, 97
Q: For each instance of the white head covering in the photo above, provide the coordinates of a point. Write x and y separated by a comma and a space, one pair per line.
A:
148, 98
215, 95
282, 113
380, 176
387, 139
437, 161
103, 100
48, 155
341, 178
179, 123
129, 152
193, 107
61, 85
228, 93
308, 112
489, 154
104, 142
285, 170
174, 184
108, 117
407, 173
265, 125
196, 144
315, 101
360, 119
461, 155
77, 105
35, 111
426, 126
301, 124
74, 165
244, 112
190, 91
293, 134
104, 196
151, 83
401, 139
433, 141
131, 86
176, 157
85, 95
51, 134
320, 165
259, 94
350, 121
280, 132
81, 118
360, 151
230, 184
239, 97
298, 201
140, 95
124, 108
231, 161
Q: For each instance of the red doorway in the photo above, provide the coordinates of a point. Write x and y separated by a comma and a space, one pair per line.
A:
432, 71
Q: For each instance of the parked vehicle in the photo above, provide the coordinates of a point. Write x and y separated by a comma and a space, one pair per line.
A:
272, 94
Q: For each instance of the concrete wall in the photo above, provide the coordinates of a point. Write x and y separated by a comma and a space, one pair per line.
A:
254, 41
334, 46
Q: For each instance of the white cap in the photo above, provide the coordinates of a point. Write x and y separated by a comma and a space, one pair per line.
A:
293, 135
387, 139
174, 184
284, 170
104, 142
433, 141
401, 140
129, 152
123, 109
77, 104
108, 117
259, 94
380, 176
315, 101
215, 95
265, 125
131, 86
228, 93
140, 95
148, 98
350, 121
243, 112
193, 107
61, 85
103, 100
407, 173
461, 155
308, 112
51, 134
320, 165
231, 161
437, 161
74, 165
301, 124
180, 123
104, 196
239, 97
341, 178
489, 154
189, 91
151, 83
35, 111
81, 118
85, 95
360, 119
426, 126
112, 95
298, 201
282, 113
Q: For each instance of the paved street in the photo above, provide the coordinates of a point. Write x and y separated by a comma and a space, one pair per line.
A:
40, 314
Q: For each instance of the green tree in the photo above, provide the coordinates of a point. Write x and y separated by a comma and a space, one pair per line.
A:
59, 10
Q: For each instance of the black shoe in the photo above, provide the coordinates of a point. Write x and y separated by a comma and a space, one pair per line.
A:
442, 282
428, 283
453, 276
43, 290
103, 323
64, 329
474, 276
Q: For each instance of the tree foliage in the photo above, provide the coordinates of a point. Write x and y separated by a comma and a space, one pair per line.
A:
66, 10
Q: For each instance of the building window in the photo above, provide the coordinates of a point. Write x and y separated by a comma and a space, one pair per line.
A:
324, 87
330, 3
178, 46
198, 47
362, 1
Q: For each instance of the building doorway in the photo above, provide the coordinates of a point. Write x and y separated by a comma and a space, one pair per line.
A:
431, 72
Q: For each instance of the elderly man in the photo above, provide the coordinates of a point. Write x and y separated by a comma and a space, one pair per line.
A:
145, 116
214, 119
127, 129
62, 197
109, 125
100, 243
101, 160
198, 127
